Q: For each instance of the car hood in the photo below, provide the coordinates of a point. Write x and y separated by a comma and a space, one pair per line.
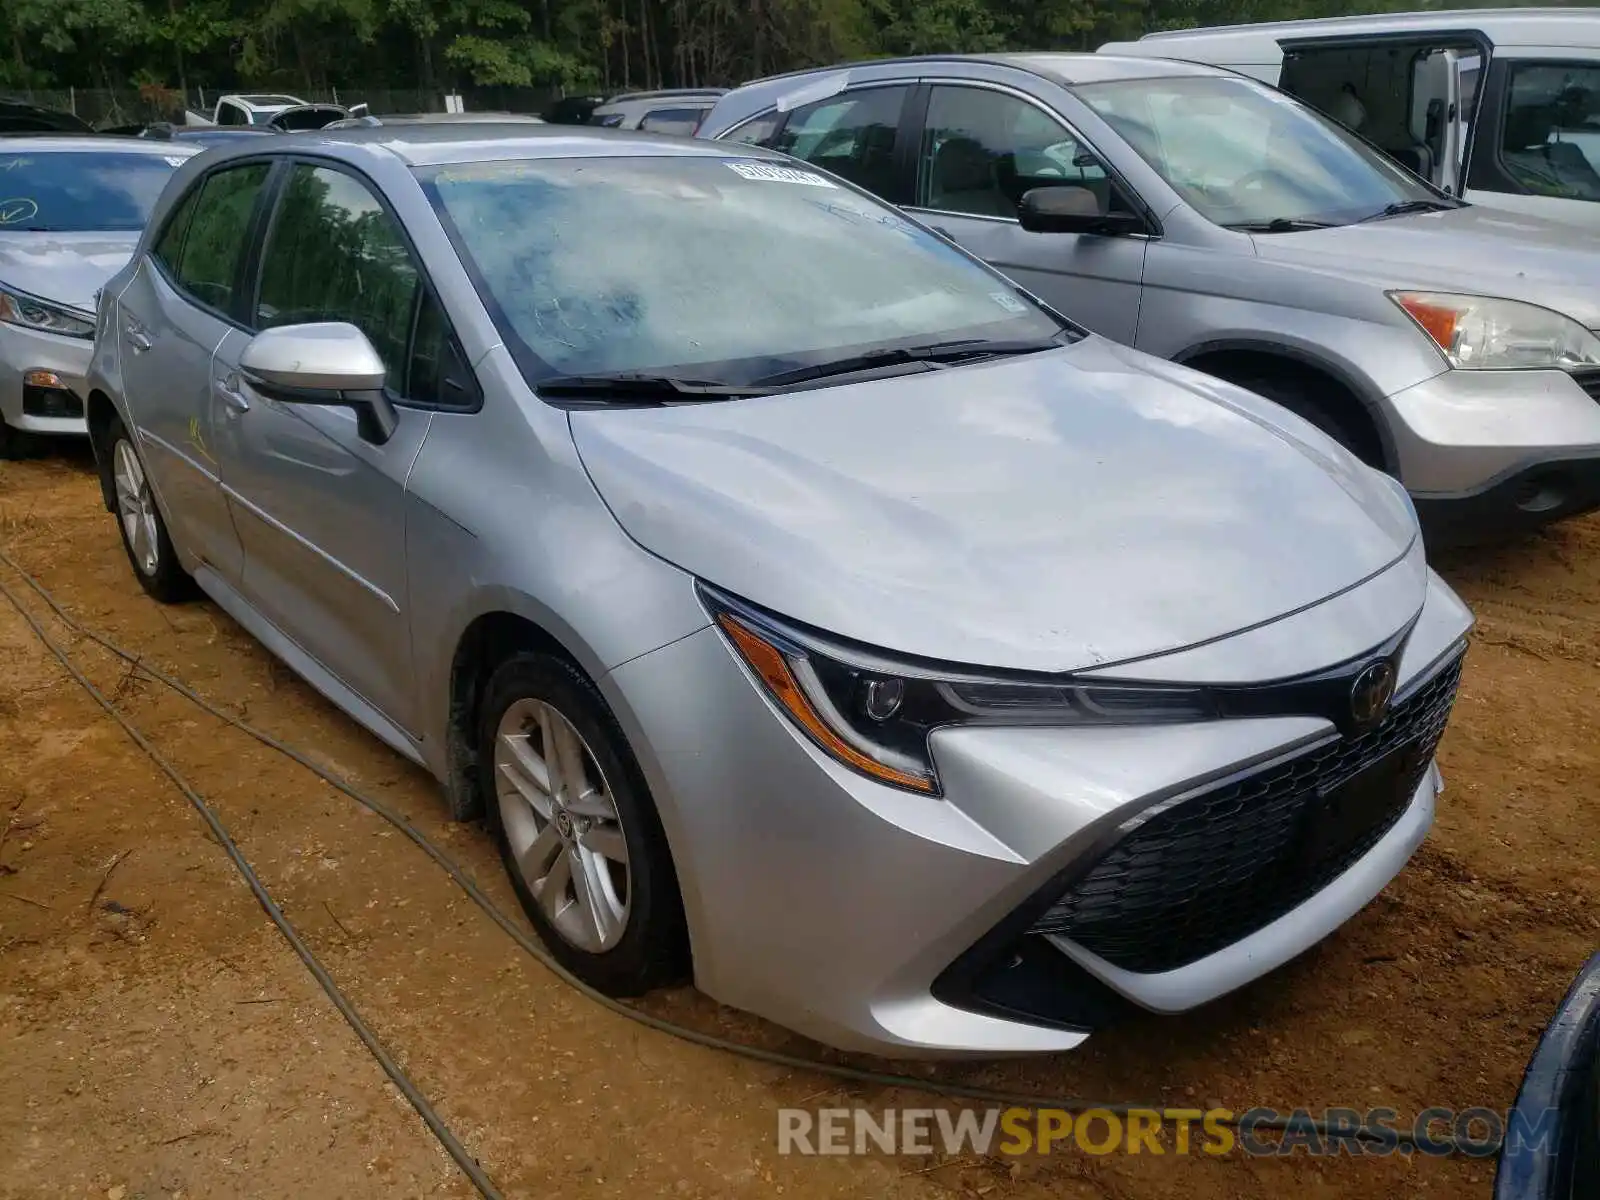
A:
1474, 249
1052, 512
67, 268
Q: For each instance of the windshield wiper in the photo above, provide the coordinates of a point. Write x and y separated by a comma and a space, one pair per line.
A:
1401, 207
935, 353
1278, 225
638, 386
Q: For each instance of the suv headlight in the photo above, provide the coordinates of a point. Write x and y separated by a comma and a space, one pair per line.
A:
874, 714
1485, 334
19, 308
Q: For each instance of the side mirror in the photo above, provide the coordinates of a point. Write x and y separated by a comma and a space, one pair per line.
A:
359, 110
1070, 209
327, 363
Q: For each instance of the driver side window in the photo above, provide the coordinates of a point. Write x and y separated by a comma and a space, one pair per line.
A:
334, 254
982, 150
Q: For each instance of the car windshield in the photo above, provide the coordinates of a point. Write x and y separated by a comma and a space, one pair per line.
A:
69, 191
1244, 154
719, 269
1550, 139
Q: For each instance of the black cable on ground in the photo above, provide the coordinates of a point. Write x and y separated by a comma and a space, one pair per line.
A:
527, 942
392, 1069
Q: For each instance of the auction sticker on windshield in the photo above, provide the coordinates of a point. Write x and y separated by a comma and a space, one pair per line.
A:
775, 174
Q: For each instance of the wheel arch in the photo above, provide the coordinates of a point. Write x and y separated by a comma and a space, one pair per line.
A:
99, 413
488, 639
1218, 357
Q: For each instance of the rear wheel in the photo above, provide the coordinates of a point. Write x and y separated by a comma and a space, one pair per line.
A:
144, 532
575, 825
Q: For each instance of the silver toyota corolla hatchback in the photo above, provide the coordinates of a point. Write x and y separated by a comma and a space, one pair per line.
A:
796, 598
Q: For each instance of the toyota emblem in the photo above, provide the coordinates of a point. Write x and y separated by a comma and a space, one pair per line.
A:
1370, 694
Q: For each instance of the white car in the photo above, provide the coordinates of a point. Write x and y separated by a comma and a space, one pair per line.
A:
71, 211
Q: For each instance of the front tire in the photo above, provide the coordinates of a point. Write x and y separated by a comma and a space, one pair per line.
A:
1330, 411
144, 531
577, 830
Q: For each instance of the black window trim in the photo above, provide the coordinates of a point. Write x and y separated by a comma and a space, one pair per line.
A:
1486, 169
195, 190
1152, 231
772, 111
268, 220
904, 188
677, 111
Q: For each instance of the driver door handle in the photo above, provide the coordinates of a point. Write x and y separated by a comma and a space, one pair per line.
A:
228, 391
137, 337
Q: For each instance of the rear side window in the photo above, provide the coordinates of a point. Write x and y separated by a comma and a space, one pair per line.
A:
214, 244
681, 122
169, 245
335, 254
757, 132
851, 135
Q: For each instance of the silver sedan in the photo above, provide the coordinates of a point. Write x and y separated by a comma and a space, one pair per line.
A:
71, 209
804, 605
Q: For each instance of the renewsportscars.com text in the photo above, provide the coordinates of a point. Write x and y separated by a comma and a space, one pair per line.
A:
1261, 1132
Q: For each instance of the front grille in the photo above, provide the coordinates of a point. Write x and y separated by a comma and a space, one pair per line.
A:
1214, 868
1589, 381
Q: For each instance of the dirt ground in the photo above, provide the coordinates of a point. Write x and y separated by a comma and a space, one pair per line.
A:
158, 1038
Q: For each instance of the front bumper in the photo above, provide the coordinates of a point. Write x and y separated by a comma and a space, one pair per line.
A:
1529, 497
1490, 452
24, 350
861, 916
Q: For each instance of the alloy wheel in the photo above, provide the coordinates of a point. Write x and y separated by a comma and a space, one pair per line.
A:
136, 508
561, 825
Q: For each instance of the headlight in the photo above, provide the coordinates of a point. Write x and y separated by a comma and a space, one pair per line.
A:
1485, 334
18, 308
874, 715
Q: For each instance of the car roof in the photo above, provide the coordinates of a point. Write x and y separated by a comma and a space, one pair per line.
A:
37, 118
1503, 26
669, 94
439, 143
457, 118
1070, 69
1064, 67
113, 143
